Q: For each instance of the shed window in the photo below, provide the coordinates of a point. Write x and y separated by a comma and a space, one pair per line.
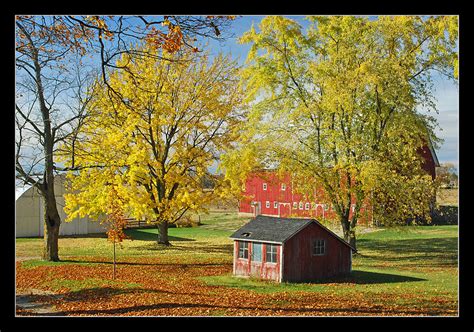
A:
283, 186
271, 256
256, 252
267, 204
264, 186
243, 250
319, 247
275, 205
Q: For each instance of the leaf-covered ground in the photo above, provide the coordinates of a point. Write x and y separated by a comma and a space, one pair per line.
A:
405, 271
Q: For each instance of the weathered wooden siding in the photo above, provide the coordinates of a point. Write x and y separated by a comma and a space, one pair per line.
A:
263, 269
300, 264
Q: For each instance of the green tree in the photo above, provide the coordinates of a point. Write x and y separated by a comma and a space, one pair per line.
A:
335, 106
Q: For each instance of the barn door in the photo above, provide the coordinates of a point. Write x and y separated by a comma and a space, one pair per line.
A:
257, 208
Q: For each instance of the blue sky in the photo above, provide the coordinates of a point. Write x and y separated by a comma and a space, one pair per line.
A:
446, 92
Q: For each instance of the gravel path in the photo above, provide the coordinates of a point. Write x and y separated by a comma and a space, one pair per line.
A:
27, 304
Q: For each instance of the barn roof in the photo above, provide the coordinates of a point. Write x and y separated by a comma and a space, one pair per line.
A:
275, 229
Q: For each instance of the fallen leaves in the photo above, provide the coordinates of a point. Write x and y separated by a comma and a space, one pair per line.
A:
154, 287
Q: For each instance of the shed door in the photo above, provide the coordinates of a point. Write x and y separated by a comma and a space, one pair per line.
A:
256, 260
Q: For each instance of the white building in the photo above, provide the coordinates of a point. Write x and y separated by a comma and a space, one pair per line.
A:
29, 214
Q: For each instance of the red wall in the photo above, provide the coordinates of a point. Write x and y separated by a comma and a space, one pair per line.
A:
264, 270
286, 198
300, 264
428, 164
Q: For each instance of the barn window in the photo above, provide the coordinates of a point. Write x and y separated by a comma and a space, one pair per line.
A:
271, 256
264, 186
256, 252
319, 247
275, 205
267, 204
295, 205
306, 207
243, 250
301, 205
283, 186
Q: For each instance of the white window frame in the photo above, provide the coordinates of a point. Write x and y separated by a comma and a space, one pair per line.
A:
265, 186
306, 206
301, 206
272, 253
267, 204
318, 247
295, 205
275, 205
283, 186
243, 250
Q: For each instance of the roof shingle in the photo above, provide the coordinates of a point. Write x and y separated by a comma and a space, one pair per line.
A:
272, 229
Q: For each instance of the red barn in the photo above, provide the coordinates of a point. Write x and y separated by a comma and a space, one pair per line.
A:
266, 193
290, 250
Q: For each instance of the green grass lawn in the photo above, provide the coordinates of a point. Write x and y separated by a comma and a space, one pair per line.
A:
414, 269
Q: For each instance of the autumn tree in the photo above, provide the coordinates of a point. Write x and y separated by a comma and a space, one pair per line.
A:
447, 175
336, 107
115, 222
50, 106
50, 93
157, 147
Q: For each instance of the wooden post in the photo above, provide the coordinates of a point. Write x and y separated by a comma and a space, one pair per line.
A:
113, 276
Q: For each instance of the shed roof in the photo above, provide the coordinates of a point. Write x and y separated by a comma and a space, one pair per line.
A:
270, 229
277, 230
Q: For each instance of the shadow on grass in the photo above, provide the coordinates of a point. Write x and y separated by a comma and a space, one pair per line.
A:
366, 277
196, 247
97, 295
136, 234
434, 252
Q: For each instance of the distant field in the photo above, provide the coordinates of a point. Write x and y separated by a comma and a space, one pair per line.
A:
448, 197
400, 271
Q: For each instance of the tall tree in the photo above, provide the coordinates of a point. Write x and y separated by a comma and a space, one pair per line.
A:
51, 75
50, 107
336, 107
157, 146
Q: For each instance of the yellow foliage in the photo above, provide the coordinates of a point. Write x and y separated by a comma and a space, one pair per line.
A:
155, 145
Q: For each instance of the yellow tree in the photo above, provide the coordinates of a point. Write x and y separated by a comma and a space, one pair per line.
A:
157, 148
336, 106
49, 91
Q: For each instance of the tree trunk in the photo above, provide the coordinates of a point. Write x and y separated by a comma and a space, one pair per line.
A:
348, 231
52, 222
163, 233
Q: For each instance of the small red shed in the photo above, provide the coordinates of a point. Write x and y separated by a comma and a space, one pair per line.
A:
290, 250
